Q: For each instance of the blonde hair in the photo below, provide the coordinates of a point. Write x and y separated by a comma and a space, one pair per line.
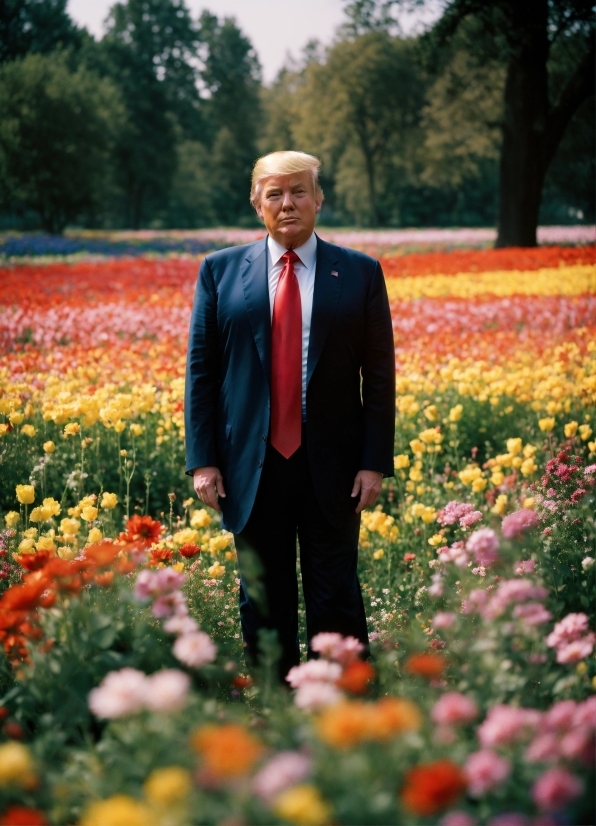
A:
283, 163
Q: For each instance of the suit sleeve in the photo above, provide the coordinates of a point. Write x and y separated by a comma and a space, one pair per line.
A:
378, 380
202, 375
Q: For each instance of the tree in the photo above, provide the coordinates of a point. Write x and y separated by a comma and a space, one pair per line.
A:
538, 102
57, 128
231, 78
37, 26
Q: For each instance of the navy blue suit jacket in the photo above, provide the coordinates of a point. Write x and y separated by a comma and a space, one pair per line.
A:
350, 395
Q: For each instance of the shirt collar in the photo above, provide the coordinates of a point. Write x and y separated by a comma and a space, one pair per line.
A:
307, 253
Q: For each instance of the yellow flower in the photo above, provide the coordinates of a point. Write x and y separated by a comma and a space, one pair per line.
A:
415, 474
70, 527
66, 553
528, 467
109, 500
302, 805
16, 418
45, 543
592, 447
136, 429
11, 518
187, 536
581, 668
436, 539
529, 503
570, 429
220, 543
16, 764
585, 431
95, 535
431, 413
27, 546
417, 447
25, 494
87, 500
49, 446
3, 429
72, 429
168, 785
497, 478
517, 461
529, 451
455, 413
30, 533
379, 554
500, 505
547, 424
200, 519
216, 570
431, 436
178, 566
119, 810
478, 485
470, 474
50, 507
401, 461
89, 513
28, 430
428, 515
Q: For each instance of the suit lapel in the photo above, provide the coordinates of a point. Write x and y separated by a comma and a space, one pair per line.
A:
256, 295
328, 279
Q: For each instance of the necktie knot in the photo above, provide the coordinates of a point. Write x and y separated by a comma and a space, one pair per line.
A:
290, 257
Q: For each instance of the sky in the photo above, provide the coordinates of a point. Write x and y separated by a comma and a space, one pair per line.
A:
274, 27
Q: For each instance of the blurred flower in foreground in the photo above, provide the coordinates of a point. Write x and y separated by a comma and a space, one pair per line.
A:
431, 787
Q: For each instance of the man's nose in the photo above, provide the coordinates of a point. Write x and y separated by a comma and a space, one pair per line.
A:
288, 201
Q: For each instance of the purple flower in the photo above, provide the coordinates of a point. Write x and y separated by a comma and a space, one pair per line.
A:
484, 546
518, 522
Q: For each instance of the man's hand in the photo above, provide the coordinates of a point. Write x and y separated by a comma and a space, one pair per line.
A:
208, 484
368, 484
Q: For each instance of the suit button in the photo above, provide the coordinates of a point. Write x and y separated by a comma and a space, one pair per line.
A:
260, 463
264, 437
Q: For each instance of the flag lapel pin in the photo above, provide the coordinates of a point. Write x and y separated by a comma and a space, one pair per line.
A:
335, 273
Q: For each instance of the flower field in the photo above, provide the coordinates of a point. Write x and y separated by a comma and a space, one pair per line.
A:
124, 699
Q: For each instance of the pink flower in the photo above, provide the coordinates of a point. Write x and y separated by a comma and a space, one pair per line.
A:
313, 671
555, 788
518, 522
456, 553
470, 519
153, 583
167, 604
314, 695
533, 613
526, 566
287, 768
452, 708
195, 649
477, 598
485, 770
166, 690
543, 749
144, 585
120, 693
578, 745
508, 819
458, 819
455, 511
585, 714
443, 619
561, 715
180, 624
507, 724
577, 650
335, 647
570, 628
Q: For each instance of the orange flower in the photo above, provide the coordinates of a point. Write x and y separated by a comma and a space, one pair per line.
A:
22, 816
228, 750
392, 715
104, 579
431, 787
159, 555
33, 562
430, 666
142, 528
102, 554
22, 597
356, 677
344, 725
188, 551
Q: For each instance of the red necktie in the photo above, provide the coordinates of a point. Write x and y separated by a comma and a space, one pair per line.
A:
286, 361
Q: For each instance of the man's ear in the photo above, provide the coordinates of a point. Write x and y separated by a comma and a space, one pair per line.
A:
258, 210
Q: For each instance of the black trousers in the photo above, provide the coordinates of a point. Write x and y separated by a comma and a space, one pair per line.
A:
286, 508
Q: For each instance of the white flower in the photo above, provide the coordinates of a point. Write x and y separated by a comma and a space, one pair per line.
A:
587, 563
195, 649
180, 624
314, 695
120, 693
167, 690
319, 671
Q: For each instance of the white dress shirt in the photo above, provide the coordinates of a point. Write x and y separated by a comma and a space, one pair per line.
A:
305, 274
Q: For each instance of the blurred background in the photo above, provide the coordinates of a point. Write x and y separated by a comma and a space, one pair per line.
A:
454, 113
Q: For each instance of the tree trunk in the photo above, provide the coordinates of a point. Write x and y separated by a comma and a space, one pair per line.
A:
524, 125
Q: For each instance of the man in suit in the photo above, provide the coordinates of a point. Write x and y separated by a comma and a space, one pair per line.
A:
290, 407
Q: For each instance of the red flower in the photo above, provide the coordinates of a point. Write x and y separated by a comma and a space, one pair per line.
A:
143, 529
188, 551
22, 816
242, 682
356, 677
104, 579
33, 562
430, 666
431, 787
102, 554
13, 730
23, 597
159, 555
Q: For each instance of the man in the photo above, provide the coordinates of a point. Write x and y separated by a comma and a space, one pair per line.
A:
290, 407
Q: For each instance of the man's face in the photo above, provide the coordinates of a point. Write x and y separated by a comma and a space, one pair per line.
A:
288, 206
